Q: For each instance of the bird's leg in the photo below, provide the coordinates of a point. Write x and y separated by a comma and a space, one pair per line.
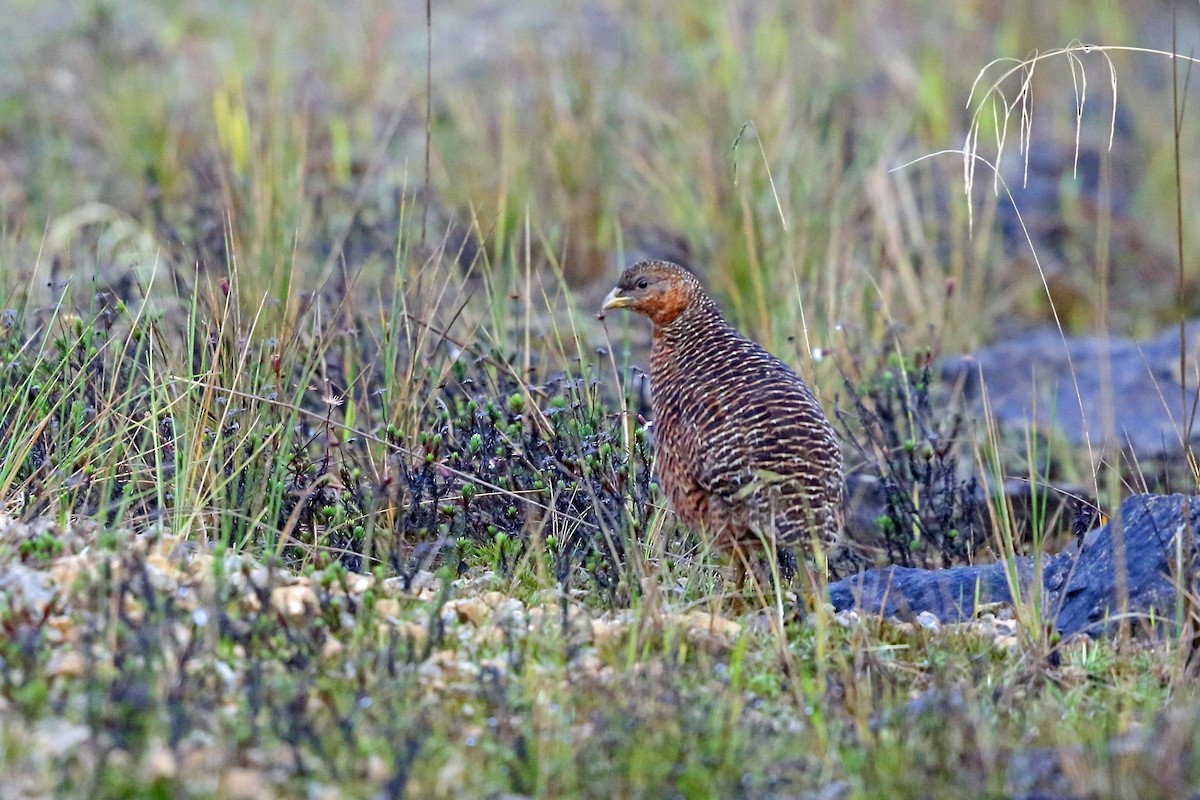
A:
806, 596
739, 573
812, 576
741, 568
763, 575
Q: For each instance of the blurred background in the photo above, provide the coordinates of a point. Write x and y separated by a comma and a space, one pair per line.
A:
869, 189
770, 145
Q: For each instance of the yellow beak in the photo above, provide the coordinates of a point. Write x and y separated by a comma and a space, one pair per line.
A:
615, 300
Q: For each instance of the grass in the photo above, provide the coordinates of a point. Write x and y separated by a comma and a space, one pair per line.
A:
328, 681
319, 482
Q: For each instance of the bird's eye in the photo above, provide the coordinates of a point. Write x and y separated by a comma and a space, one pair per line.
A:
643, 283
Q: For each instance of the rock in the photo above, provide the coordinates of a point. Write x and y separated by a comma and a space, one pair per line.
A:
25, 586
701, 623
1042, 772
1134, 556
950, 595
444, 668
58, 629
332, 648
387, 607
1145, 540
159, 762
847, 618
608, 632
422, 583
415, 633
65, 664
548, 617
294, 601
1029, 382
466, 609
55, 737
163, 573
508, 612
239, 783
68, 569
359, 583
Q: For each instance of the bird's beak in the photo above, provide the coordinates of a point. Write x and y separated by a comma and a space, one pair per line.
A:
614, 300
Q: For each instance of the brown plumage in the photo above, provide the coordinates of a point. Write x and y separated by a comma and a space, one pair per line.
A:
743, 449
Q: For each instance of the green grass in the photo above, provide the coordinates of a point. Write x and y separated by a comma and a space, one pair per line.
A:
317, 482
355, 686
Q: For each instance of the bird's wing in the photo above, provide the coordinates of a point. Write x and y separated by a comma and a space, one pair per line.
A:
774, 442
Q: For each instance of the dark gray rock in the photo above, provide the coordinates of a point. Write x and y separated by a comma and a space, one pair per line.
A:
1135, 384
952, 595
1134, 556
1134, 563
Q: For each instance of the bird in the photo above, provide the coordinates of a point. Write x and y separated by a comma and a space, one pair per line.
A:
743, 451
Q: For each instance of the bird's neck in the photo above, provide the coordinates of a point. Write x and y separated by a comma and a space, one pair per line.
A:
689, 329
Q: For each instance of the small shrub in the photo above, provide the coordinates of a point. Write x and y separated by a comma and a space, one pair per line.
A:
904, 433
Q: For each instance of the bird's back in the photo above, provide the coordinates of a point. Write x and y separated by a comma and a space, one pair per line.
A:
743, 446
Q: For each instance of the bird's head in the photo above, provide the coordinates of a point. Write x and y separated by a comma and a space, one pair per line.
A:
658, 290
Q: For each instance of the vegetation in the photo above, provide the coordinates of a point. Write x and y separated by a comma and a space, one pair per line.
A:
321, 478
